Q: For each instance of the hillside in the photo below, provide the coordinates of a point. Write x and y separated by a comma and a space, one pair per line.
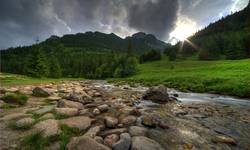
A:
97, 41
227, 38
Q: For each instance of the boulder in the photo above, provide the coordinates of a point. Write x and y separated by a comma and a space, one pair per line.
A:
113, 131
98, 139
144, 143
79, 122
111, 122
69, 104
15, 116
149, 121
96, 111
111, 139
158, 95
47, 116
92, 132
44, 110
103, 107
54, 98
48, 127
83, 98
85, 143
25, 122
124, 142
129, 120
224, 139
67, 111
137, 131
40, 92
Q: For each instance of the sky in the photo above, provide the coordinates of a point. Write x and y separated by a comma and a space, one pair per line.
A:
22, 22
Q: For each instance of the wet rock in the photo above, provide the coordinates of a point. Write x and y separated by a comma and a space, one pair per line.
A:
47, 116
25, 122
144, 143
85, 143
54, 98
124, 142
98, 139
103, 107
67, 111
113, 131
224, 139
111, 139
111, 122
44, 110
137, 131
129, 120
135, 112
158, 95
69, 104
163, 124
92, 132
40, 92
79, 122
48, 127
96, 111
149, 121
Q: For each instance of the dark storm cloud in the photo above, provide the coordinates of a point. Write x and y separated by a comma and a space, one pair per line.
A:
22, 21
156, 17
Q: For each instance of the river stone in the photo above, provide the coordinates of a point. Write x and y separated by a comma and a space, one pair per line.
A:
144, 143
111, 139
137, 131
25, 122
149, 121
85, 143
40, 92
99, 139
92, 132
49, 127
44, 110
54, 98
67, 111
111, 122
103, 107
96, 111
129, 120
158, 95
124, 142
15, 116
79, 122
113, 131
224, 139
47, 116
69, 104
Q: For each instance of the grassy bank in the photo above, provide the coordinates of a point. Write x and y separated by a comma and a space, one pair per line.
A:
223, 77
12, 79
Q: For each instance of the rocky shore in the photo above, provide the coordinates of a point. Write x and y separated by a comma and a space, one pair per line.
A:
106, 116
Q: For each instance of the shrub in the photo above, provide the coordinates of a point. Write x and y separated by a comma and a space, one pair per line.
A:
17, 98
151, 55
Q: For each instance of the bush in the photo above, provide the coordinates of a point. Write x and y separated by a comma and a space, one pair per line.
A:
151, 55
15, 98
171, 53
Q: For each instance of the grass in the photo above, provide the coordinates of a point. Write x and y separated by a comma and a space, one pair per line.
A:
16, 98
7, 79
222, 77
37, 142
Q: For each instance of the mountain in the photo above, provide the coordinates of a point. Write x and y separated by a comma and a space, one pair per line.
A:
97, 41
226, 38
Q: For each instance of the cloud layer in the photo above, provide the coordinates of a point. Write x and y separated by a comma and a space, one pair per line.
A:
23, 21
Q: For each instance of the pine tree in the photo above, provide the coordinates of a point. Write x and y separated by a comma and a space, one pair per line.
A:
37, 65
55, 68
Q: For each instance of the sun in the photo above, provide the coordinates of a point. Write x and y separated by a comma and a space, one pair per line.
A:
184, 28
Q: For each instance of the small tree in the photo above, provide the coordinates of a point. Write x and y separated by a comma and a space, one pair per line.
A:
37, 65
55, 68
171, 53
